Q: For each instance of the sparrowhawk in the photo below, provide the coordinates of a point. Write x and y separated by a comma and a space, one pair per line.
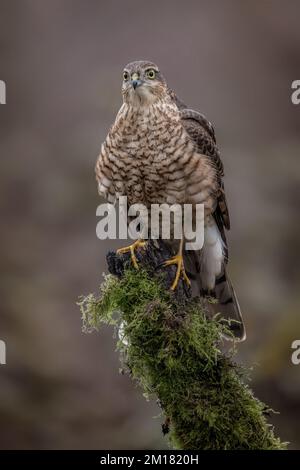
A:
160, 151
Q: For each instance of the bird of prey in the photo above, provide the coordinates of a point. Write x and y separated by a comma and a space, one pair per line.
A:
160, 151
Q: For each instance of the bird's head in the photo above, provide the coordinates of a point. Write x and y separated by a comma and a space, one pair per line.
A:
143, 83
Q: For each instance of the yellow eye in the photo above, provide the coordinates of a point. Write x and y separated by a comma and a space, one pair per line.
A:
125, 76
151, 74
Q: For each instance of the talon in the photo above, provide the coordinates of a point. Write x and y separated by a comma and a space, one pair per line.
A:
131, 249
178, 260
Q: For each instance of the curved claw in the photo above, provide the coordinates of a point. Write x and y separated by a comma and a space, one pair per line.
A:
131, 249
178, 260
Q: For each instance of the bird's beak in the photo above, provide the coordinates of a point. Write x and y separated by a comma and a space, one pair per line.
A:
135, 81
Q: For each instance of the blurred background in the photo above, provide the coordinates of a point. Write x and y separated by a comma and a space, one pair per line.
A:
62, 62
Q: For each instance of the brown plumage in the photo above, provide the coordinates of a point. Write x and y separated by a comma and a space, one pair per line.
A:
160, 151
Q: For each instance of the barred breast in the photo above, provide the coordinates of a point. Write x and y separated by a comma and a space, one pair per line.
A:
149, 157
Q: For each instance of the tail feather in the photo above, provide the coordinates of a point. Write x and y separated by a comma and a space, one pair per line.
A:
227, 304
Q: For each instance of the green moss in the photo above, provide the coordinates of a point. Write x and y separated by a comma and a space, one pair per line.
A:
173, 352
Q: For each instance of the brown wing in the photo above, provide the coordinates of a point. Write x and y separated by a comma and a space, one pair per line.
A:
202, 133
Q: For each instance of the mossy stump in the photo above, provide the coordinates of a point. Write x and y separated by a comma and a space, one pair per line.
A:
172, 349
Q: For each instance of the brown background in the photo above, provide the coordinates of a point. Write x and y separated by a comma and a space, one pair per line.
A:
62, 62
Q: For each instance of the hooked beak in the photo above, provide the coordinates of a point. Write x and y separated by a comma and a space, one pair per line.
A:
135, 81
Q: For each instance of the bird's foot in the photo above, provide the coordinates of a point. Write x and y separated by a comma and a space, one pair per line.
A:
131, 249
178, 261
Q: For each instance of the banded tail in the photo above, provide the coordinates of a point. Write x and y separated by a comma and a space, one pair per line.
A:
207, 272
228, 305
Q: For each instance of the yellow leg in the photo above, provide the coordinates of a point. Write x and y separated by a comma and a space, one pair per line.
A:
131, 249
178, 260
